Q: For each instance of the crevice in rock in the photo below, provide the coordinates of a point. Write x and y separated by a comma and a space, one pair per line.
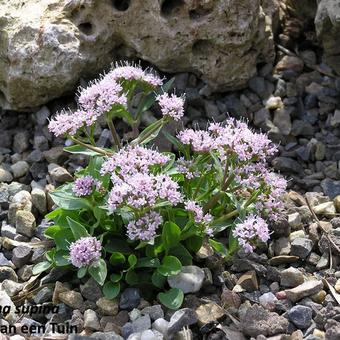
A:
198, 13
121, 5
86, 28
200, 46
169, 6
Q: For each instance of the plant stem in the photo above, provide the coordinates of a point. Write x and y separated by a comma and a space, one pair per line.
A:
90, 147
113, 132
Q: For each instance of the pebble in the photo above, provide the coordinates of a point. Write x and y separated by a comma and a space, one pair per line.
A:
181, 318
141, 324
268, 301
326, 208
91, 320
294, 220
5, 175
189, 280
300, 316
129, 299
39, 200
248, 281
274, 103
25, 223
305, 289
301, 247
209, 312
291, 277
59, 174
20, 169
21, 256
155, 312
108, 307
72, 299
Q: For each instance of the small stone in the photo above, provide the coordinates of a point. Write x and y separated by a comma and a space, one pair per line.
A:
91, 320
294, 220
282, 246
5, 175
7, 273
59, 174
21, 256
55, 155
155, 312
274, 103
282, 121
230, 299
5, 300
326, 208
248, 281
300, 316
268, 300
161, 325
301, 247
20, 169
305, 289
107, 307
297, 234
286, 164
105, 336
290, 63
319, 297
189, 280
11, 287
208, 313
25, 223
39, 200
43, 295
337, 203
129, 299
257, 320
181, 318
283, 259
72, 299
8, 231
319, 334
91, 290
291, 277
141, 324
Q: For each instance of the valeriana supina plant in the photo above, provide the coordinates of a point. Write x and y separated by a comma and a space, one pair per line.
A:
134, 215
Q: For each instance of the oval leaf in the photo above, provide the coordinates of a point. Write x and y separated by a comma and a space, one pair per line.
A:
78, 229
41, 267
117, 258
99, 271
171, 235
170, 266
81, 272
111, 290
172, 299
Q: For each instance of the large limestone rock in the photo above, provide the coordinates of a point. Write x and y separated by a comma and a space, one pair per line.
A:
47, 45
327, 23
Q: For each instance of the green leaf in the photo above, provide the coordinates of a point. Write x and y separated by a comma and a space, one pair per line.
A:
172, 299
50, 255
182, 254
117, 258
132, 259
171, 235
62, 258
63, 238
116, 277
118, 245
170, 266
121, 112
52, 230
78, 229
80, 150
132, 278
158, 280
64, 198
99, 271
149, 133
147, 262
194, 243
55, 213
41, 267
81, 272
218, 247
111, 290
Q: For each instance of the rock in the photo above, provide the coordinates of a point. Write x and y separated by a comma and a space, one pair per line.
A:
248, 281
336, 202
257, 320
189, 280
25, 223
289, 63
21, 256
5, 300
300, 316
301, 247
327, 29
155, 312
141, 324
91, 290
286, 164
291, 277
330, 187
75, 39
305, 289
326, 208
282, 246
107, 307
294, 220
106, 336
43, 295
283, 121
11, 287
283, 259
72, 299
5, 175
59, 174
268, 300
161, 325
209, 312
181, 318
274, 103
129, 299
20, 169
39, 200
7, 273
91, 320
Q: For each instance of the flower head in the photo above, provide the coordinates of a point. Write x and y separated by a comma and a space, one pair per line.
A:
85, 251
171, 105
145, 227
66, 123
253, 228
84, 186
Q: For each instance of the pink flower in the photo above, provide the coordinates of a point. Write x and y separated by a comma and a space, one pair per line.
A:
66, 123
84, 186
253, 228
85, 251
171, 105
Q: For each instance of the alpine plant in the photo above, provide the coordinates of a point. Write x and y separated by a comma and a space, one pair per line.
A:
134, 215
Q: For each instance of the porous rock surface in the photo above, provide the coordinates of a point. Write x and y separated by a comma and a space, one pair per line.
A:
47, 45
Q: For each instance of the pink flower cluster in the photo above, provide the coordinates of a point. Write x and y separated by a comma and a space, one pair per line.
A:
85, 251
199, 216
233, 137
187, 168
252, 229
171, 106
84, 186
145, 227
